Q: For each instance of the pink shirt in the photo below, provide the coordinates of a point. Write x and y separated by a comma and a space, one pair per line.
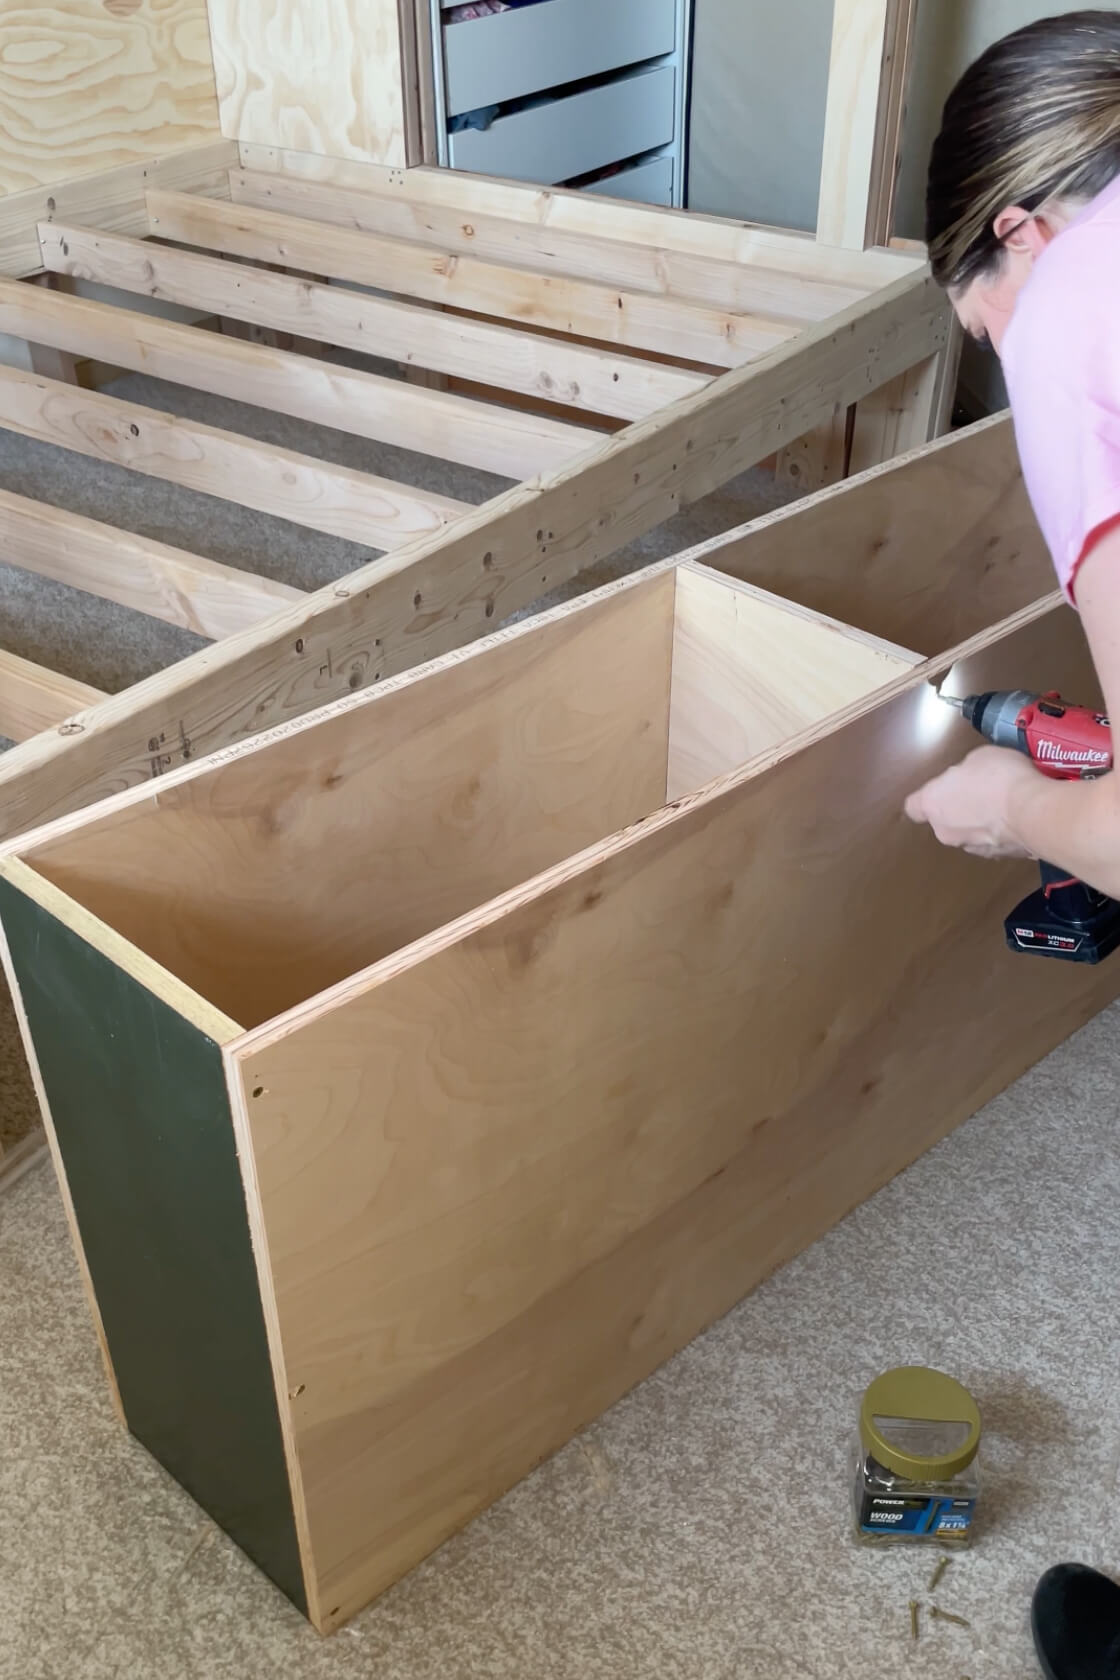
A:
1061, 360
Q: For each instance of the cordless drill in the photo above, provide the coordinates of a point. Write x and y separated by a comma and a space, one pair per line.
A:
1064, 918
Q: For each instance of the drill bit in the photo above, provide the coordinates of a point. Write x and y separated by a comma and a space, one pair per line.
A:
951, 700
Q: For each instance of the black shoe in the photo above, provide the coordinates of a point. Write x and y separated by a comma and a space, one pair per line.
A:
1075, 1619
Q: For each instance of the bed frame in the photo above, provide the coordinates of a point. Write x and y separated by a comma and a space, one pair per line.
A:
620, 362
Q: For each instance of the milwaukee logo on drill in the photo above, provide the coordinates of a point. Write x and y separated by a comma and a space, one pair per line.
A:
1055, 753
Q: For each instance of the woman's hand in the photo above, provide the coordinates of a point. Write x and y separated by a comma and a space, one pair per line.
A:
996, 804
968, 806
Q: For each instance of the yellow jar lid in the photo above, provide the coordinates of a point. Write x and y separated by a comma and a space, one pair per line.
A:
913, 1394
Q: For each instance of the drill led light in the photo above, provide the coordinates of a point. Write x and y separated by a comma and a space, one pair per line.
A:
934, 719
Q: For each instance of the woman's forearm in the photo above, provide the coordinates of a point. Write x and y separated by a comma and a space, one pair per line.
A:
1075, 825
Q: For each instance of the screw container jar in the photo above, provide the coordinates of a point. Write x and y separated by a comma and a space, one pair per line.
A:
915, 1477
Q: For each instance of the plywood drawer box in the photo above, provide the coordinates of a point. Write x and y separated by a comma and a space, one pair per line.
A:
423, 1073
572, 135
513, 54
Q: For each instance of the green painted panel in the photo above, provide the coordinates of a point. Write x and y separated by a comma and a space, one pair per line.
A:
139, 1103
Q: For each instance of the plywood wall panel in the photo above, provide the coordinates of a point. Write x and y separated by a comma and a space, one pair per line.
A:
322, 76
89, 85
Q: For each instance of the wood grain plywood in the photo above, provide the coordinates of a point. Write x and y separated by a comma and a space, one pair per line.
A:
290, 869
751, 670
322, 76
88, 85
923, 551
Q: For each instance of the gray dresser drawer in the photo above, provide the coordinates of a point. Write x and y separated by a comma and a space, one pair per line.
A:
512, 54
646, 183
573, 135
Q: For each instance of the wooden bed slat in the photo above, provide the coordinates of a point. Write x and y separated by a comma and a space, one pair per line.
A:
605, 313
113, 198
602, 381
364, 404
378, 206
337, 500
33, 698
687, 232
167, 583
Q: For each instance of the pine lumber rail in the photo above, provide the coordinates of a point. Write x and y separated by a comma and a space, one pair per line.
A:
612, 363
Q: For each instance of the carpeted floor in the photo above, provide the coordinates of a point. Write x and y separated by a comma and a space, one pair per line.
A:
699, 1530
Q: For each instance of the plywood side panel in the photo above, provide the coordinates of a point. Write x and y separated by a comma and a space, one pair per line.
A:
291, 868
506, 1182
924, 551
88, 85
138, 1104
751, 670
323, 76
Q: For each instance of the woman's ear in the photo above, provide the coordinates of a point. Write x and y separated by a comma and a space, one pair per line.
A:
1024, 231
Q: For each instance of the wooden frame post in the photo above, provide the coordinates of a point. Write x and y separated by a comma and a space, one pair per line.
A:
868, 74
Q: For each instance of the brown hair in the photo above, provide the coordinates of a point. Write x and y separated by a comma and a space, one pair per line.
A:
1036, 117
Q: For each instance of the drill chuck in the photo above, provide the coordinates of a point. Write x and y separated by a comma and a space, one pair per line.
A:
996, 716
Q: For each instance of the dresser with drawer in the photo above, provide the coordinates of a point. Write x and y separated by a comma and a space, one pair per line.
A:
584, 93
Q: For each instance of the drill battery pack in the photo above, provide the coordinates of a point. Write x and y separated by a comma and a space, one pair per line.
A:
1065, 919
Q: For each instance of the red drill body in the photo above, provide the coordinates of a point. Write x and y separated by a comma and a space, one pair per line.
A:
1069, 743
